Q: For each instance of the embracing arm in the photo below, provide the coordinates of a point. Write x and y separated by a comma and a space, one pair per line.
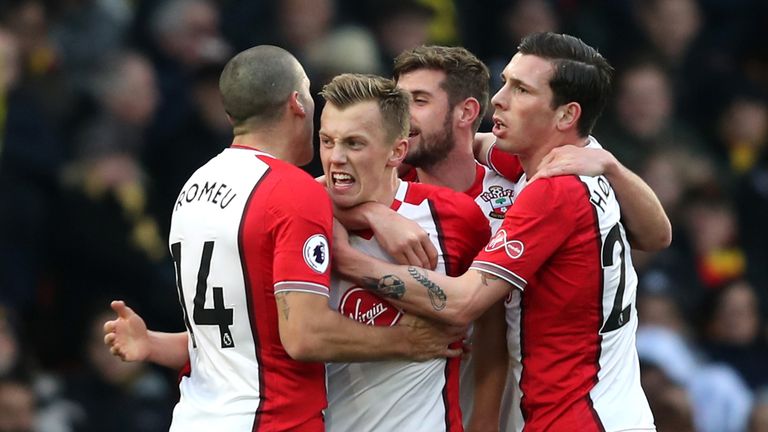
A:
128, 338
481, 145
456, 301
311, 331
647, 224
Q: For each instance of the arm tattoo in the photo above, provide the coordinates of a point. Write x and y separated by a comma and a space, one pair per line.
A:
436, 294
389, 286
487, 277
283, 304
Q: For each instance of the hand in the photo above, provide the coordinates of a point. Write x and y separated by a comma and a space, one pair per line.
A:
405, 240
569, 159
127, 335
430, 339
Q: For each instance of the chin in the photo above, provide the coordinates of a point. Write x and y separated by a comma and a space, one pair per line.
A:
343, 203
504, 144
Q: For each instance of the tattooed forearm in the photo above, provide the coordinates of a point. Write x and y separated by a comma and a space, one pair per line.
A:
485, 277
389, 286
436, 294
282, 303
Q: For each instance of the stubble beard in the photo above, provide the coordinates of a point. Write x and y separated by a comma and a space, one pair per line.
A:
433, 148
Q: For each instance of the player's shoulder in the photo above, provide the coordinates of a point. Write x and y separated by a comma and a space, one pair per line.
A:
505, 164
291, 178
418, 192
560, 194
284, 168
291, 190
452, 208
565, 184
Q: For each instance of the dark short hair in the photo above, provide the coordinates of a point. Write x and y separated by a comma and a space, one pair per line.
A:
466, 76
349, 89
580, 75
256, 83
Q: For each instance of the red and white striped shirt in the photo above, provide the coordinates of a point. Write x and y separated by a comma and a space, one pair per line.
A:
572, 319
399, 395
245, 226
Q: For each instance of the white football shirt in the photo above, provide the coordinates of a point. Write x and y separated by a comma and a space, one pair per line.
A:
399, 395
244, 227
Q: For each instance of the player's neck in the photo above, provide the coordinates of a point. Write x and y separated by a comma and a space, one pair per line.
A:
387, 191
267, 142
456, 171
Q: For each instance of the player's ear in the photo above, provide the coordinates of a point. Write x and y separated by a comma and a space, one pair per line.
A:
568, 116
399, 150
296, 105
467, 111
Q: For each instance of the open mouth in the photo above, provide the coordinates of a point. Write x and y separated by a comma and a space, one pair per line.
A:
498, 126
415, 130
340, 179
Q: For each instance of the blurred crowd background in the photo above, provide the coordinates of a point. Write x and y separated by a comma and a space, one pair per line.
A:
107, 106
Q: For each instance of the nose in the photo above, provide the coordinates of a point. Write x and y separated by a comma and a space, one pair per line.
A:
338, 154
498, 98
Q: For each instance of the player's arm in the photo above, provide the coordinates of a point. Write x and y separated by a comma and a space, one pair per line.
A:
309, 328
648, 226
401, 238
489, 351
497, 269
311, 331
128, 338
456, 301
481, 146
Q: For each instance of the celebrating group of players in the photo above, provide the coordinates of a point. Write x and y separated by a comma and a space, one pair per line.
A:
516, 235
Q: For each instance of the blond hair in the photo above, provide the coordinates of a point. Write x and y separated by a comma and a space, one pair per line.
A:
349, 89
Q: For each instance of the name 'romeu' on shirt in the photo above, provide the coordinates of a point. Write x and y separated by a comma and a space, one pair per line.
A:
213, 192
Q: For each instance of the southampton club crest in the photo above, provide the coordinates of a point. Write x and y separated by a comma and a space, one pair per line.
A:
500, 200
316, 253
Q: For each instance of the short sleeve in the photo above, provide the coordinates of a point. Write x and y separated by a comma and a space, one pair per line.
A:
505, 164
533, 229
302, 227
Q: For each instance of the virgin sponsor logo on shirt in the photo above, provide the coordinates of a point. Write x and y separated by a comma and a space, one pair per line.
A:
513, 248
368, 308
500, 200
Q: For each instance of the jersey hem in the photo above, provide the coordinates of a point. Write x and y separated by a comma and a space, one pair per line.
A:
307, 287
501, 272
